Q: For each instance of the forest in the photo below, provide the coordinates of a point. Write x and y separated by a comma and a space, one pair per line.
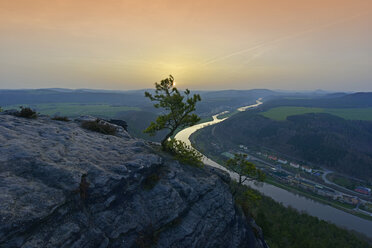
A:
286, 227
321, 139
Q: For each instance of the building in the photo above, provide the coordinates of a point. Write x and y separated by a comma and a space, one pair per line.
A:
294, 165
306, 168
273, 158
346, 198
282, 161
243, 147
326, 192
363, 190
355, 201
350, 199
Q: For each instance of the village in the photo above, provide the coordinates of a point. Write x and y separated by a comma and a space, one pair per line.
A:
307, 179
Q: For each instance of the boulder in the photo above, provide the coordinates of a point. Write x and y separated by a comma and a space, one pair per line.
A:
64, 186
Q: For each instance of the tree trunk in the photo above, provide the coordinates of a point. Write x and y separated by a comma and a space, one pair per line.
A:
164, 141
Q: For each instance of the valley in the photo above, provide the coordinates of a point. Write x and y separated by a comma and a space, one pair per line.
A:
309, 185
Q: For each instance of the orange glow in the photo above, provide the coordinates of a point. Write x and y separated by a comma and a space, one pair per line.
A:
125, 44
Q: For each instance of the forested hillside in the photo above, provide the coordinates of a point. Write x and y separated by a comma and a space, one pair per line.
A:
322, 139
335, 100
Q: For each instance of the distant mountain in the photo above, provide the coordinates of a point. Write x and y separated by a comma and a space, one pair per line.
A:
212, 101
334, 100
11, 97
337, 94
360, 99
322, 139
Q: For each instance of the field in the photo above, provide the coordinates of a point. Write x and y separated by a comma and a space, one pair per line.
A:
281, 113
77, 109
346, 182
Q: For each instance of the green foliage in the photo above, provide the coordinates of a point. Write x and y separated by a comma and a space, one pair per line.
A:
1, 109
245, 170
178, 107
347, 182
286, 227
244, 197
184, 153
316, 139
281, 113
98, 126
26, 112
61, 118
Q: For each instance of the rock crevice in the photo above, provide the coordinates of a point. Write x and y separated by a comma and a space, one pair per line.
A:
41, 205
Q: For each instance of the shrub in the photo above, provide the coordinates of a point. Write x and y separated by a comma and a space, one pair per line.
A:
100, 127
184, 153
61, 118
26, 112
244, 197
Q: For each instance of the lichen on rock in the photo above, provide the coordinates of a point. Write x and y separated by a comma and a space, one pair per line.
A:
41, 166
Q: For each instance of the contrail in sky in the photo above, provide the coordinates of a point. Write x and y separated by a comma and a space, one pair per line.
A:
283, 38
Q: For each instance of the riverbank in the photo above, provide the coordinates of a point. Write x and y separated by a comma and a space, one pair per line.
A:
272, 181
314, 208
344, 207
286, 227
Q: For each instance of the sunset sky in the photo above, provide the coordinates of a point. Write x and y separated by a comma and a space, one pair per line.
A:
204, 44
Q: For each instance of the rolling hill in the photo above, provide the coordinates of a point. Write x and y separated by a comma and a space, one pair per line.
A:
319, 138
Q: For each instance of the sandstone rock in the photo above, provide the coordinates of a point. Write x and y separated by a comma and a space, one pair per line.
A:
44, 202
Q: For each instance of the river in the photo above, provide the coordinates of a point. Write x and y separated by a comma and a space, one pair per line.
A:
322, 211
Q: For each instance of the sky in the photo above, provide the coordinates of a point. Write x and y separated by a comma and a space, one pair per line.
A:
204, 44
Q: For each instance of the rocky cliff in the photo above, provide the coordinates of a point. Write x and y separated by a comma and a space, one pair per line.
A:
64, 186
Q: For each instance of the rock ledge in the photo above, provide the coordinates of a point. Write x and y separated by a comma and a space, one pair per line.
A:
135, 197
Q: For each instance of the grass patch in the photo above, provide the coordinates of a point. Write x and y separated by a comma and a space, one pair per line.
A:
281, 113
345, 182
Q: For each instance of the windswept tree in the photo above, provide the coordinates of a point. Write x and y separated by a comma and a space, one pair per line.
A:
178, 109
245, 169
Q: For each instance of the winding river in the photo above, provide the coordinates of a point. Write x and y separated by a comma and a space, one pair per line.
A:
322, 211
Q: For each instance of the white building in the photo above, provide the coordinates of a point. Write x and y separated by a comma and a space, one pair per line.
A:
282, 161
306, 168
294, 165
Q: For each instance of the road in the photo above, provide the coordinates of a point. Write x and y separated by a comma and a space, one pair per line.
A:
342, 189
